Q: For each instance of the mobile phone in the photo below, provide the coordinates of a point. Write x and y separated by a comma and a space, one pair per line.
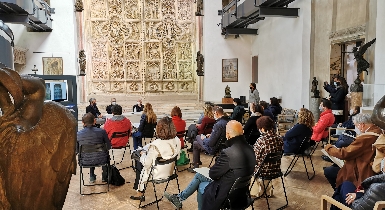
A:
325, 83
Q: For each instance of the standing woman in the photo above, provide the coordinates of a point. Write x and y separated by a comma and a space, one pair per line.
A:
146, 127
253, 94
338, 99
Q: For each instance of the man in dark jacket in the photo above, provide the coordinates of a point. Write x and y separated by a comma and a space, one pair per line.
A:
266, 110
209, 144
93, 135
109, 107
238, 160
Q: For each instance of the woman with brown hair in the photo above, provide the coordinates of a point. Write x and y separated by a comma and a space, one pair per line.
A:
303, 129
166, 146
250, 129
208, 121
180, 125
146, 126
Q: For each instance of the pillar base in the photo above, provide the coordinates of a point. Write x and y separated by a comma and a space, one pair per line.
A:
314, 107
356, 99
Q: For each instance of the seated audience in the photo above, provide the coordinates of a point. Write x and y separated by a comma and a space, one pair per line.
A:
266, 110
358, 156
268, 142
365, 196
209, 144
146, 126
303, 129
108, 108
238, 111
380, 153
138, 107
344, 140
275, 108
250, 129
166, 146
320, 130
180, 125
92, 135
205, 127
237, 160
93, 108
348, 124
118, 123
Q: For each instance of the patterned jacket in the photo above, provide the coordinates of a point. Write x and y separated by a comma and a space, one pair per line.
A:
269, 142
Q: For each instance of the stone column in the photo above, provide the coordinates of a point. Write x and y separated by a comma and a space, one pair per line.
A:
356, 99
314, 107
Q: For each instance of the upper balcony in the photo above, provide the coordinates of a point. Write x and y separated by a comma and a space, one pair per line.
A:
34, 14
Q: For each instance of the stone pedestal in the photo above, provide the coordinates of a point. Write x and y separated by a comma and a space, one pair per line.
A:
356, 99
227, 100
314, 107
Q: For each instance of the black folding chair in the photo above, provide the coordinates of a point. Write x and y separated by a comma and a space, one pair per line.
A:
217, 149
240, 184
119, 135
270, 159
301, 153
84, 151
150, 136
159, 161
323, 140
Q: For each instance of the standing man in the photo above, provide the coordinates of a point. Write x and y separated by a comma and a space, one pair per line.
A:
253, 94
237, 160
93, 135
138, 107
108, 108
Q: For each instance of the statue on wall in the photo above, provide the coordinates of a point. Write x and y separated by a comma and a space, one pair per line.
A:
314, 90
82, 62
227, 92
200, 60
199, 8
362, 64
37, 141
79, 6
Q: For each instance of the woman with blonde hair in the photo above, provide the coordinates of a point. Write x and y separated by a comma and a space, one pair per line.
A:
146, 126
303, 129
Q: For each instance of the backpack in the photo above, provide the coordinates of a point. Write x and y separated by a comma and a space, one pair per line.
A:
183, 159
115, 177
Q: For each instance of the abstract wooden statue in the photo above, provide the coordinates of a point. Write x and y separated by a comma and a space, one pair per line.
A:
37, 145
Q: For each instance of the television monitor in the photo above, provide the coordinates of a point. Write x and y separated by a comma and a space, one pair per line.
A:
56, 91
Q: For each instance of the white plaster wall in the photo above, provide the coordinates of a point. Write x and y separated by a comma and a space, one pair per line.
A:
61, 42
380, 44
283, 50
216, 48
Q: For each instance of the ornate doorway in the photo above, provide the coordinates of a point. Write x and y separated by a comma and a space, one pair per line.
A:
139, 47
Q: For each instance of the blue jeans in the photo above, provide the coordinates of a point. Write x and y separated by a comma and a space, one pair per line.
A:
198, 183
137, 139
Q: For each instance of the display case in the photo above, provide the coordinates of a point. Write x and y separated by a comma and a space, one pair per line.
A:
372, 94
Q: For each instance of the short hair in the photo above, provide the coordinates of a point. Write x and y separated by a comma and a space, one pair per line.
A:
91, 99
116, 110
274, 101
113, 99
362, 118
88, 119
266, 123
358, 109
237, 100
326, 103
254, 85
165, 129
264, 104
257, 108
306, 117
218, 109
176, 112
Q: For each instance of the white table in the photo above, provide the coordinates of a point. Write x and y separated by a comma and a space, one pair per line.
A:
134, 117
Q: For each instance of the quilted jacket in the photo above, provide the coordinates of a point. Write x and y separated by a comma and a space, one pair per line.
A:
320, 129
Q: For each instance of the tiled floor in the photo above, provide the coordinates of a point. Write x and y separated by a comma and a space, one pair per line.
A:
302, 193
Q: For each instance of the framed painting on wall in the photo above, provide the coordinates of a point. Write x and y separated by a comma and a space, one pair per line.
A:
52, 66
230, 70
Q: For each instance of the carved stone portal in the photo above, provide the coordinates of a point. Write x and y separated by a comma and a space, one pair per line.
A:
140, 46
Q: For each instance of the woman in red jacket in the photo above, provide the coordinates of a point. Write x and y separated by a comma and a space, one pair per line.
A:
118, 123
325, 121
208, 121
180, 125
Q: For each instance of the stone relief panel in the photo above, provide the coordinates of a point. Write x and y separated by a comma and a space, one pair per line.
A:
140, 46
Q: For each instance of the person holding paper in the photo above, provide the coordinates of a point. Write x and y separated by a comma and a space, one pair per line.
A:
358, 156
237, 160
